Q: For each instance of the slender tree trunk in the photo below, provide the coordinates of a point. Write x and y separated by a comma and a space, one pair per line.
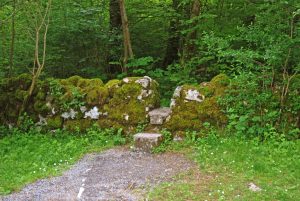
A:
173, 45
39, 63
128, 53
11, 53
114, 50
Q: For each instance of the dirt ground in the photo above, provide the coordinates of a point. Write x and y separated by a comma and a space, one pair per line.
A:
116, 174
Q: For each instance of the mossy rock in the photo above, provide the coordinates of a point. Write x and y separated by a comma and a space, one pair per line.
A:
71, 80
89, 83
41, 107
82, 124
97, 95
107, 123
191, 114
54, 122
130, 100
112, 86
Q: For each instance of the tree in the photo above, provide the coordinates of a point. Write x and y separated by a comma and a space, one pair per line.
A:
115, 23
128, 53
173, 44
12, 44
41, 24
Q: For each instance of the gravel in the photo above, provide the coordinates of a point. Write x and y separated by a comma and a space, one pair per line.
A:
116, 174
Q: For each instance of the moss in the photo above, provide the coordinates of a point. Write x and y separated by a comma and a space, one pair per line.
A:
220, 80
112, 86
192, 114
127, 106
97, 95
54, 122
41, 107
20, 94
107, 123
82, 124
89, 83
24, 81
71, 80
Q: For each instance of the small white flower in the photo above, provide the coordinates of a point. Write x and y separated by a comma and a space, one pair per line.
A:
34, 172
54, 164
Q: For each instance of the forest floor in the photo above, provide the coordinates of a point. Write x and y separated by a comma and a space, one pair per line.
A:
115, 174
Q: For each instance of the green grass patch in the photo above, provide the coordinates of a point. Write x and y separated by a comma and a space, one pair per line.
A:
26, 157
228, 165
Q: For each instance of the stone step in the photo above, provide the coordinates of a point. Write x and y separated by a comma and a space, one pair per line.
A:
145, 142
158, 116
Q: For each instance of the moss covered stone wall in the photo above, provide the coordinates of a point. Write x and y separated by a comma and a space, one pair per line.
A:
192, 106
78, 103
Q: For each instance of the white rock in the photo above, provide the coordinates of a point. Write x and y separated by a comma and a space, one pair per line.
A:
53, 110
126, 80
71, 114
177, 91
143, 94
42, 121
253, 187
144, 82
126, 117
173, 103
83, 109
93, 113
149, 78
194, 95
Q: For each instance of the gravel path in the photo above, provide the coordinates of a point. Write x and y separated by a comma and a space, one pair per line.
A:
116, 174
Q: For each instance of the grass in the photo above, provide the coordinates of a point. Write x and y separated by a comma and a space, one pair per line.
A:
228, 165
26, 157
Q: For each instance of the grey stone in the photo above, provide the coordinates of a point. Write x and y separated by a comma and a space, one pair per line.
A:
145, 142
194, 95
158, 116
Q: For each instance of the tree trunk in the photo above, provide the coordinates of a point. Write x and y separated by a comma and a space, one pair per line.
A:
128, 53
39, 63
173, 44
189, 46
11, 53
114, 50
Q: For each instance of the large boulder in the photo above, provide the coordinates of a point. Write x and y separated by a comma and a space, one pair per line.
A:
194, 105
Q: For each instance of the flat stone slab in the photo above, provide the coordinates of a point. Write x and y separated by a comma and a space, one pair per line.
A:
145, 142
158, 116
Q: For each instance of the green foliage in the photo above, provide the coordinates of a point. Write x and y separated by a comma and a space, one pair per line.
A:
28, 156
167, 140
254, 110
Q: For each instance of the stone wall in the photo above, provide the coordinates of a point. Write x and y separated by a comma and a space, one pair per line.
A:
191, 106
78, 102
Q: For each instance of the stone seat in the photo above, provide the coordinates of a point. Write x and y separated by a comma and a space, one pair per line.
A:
145, 142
